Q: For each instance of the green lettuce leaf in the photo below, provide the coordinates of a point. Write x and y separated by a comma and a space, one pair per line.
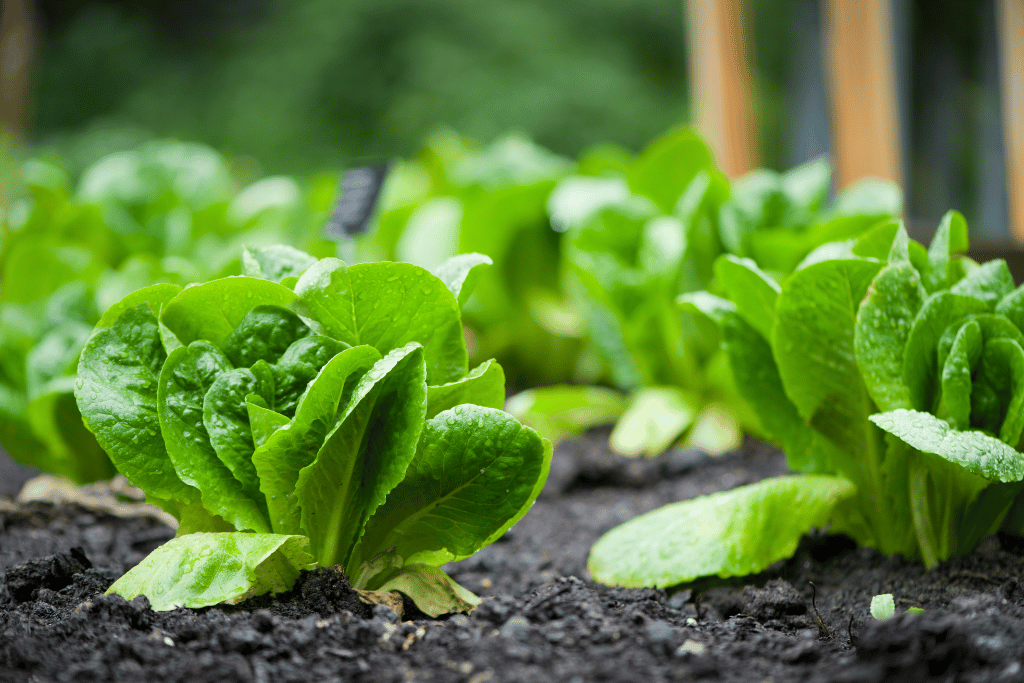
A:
397, 303
365, 456
203, 569
560, 412
976, 452
731, 533
476, 472
288, 448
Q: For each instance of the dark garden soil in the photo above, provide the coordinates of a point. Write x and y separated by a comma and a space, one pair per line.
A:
541, 619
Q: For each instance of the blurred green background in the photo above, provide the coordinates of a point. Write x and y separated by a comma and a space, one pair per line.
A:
301, 85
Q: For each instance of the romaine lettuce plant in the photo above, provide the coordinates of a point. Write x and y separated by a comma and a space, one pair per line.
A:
309, 413
636, 240
893, 376
167, 212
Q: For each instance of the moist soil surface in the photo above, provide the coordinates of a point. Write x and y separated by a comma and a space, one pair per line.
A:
542, 618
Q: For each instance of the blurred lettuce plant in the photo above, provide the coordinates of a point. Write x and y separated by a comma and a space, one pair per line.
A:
455, 197
640, 232
166, 212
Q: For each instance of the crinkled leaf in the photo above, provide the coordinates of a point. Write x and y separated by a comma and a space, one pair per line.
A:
265, 333
920, 364
956, 379
365, 456
476, 471
884, 321
562, 411
434, 592
397, 303
460, 273
1003, 369
290, 447
731, 533
976, 452
203, 569
483, 386
226, 419
298, 366
117, 395
187, 375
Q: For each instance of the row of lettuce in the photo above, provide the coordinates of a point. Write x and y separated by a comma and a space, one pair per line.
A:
329, 411
589, 256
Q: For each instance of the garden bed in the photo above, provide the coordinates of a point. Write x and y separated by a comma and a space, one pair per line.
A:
541, 620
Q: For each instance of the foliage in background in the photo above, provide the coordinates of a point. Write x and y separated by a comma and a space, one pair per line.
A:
892, 375
307, 84
456, 197
329, 409
165, 212
641, 231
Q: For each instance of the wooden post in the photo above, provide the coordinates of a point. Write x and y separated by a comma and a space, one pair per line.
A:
1010, 25
16, 43
858, 40
721, 82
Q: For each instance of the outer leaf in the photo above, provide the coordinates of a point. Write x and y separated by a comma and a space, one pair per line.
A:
483, 386
751, 289
434, 592
398, 303
365, 456
212, 311
199, 570
155, 295
460, 273
275, 263
732, 533
976, 452
475, 473
117, 396
288, 449
184, 380
654, 419
562, 411
884, 321
813, 344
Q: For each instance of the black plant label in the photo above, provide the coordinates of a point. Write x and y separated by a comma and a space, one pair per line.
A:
360, 192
